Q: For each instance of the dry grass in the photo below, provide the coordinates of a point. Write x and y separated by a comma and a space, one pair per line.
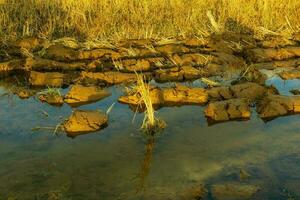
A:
151, 124
118, 19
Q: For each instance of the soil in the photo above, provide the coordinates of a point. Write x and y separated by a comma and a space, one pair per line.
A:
85, 121
275, 105
228, 110
88, 66
55, 100
80, 95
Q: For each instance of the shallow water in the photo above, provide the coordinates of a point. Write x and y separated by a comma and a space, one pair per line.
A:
119, 162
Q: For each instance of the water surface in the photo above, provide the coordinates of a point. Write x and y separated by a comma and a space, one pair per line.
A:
119, 162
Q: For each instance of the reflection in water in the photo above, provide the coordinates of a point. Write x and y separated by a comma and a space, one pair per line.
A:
93, 166
146, 164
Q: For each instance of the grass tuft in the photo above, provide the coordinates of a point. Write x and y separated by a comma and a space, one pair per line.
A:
151, 124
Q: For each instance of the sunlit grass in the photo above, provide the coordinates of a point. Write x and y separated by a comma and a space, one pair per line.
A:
151, 124
117, 19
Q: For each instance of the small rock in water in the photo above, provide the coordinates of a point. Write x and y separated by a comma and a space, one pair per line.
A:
228, 110
85, 121
55, 100
275, 105
79, 95
233, 191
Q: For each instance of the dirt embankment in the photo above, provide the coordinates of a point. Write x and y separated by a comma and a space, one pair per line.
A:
90, 65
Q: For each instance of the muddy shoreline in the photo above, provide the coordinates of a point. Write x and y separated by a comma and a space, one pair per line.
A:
229, 66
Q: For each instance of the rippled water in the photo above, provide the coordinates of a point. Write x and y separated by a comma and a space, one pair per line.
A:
120, 163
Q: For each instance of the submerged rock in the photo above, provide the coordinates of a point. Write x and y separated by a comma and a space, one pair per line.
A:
195, 192
80, 95
228, 110
24, 93
275, 105
51, 79
81, 122
233, 191
292, 74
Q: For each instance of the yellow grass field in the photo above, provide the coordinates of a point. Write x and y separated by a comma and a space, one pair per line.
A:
119, 19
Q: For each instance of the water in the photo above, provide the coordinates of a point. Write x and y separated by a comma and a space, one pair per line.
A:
120, 163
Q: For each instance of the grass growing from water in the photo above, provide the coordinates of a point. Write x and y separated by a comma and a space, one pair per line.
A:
119, 19
51, 92
151, 124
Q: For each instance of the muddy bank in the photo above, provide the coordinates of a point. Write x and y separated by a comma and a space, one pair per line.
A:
90, 67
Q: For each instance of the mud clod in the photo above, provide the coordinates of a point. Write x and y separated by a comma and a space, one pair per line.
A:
232, 109
288, 75
273, 106
81, 122
50, 79
80, 95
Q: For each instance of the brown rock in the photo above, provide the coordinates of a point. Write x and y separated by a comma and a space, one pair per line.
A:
177, 74
156, 96
60, 52
55, 100
107, 78
183, 95
266, 55
250, 91
234, 191
228, 110
276, 64
179, 95
133, 65
275, 105
40, 64
288, 75
51, 79
81, 122
220, 93
80, 95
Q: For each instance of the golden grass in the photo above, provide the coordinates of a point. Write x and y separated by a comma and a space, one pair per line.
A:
151, 124
119, 19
